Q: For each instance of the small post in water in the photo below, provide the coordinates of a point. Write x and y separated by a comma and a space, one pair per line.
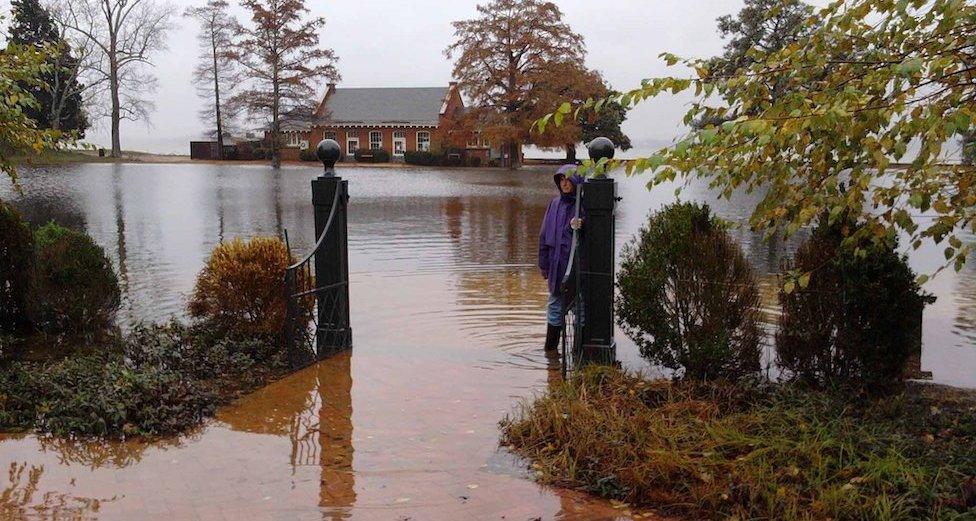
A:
597, 260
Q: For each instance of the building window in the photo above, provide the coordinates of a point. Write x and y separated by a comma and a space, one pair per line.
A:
294, 139
477, 141
329, 135
375, 140
399, 142
423, 141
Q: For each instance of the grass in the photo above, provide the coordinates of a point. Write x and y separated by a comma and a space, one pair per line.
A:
753, 452
61, 157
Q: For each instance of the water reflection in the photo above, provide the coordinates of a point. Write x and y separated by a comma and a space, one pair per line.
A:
314, 410
23, 498
965, 322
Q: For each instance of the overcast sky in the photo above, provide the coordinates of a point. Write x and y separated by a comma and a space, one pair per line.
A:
391, 43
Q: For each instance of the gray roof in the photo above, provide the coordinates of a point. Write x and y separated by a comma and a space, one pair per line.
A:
416, 106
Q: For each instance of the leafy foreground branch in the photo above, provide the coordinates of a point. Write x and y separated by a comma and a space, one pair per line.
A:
777, 452
158, 380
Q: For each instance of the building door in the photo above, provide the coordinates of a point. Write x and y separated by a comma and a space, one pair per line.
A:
352, 144
399, 142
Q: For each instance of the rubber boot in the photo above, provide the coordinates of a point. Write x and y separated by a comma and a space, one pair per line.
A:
552, 337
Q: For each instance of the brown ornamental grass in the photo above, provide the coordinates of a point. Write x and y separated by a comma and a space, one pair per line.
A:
715, 451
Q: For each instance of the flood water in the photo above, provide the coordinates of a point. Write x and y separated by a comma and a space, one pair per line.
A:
447, 317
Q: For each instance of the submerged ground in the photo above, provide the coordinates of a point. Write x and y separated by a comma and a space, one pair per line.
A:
447, 317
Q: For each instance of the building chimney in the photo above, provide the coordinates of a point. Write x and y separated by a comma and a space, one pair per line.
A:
453, 84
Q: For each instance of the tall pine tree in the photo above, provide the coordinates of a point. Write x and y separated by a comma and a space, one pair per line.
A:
59, 100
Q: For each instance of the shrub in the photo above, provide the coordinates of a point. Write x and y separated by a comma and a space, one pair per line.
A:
307, 155
452, 160
420, 157
160, 379
98, 395
856, 323
241, 290
375, 155
687, 296
16, 258
73, 286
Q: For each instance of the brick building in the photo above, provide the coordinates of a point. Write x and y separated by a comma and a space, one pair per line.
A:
395, 119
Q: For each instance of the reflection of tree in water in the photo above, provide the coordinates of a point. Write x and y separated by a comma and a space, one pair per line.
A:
490, 230
20, 498
122, 255
314, 408
105, 453
496, 242
965, 322
39, 208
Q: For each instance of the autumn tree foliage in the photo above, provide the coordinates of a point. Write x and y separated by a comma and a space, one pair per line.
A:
283, 63
498, 57
867, 79
557, 83
562, 82
216, 72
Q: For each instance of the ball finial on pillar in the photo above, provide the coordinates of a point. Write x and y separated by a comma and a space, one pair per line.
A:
600, 148
328, 153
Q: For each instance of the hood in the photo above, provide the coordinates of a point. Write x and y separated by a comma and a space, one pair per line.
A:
562, 172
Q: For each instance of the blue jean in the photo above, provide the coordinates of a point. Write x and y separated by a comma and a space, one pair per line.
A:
556, 311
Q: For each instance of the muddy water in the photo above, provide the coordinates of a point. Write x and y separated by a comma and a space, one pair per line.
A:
447, 318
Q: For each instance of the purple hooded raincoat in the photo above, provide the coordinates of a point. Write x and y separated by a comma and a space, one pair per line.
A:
556, 236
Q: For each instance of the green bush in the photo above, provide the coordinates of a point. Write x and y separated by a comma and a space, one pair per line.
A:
421, 157
856, 323
687, 296
426, 158
16, 258
307, 155
73, 286
374, 155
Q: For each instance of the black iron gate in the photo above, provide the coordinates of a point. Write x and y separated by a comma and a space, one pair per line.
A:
317, 286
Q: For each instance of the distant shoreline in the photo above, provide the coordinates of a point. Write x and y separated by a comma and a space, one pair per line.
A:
67, 157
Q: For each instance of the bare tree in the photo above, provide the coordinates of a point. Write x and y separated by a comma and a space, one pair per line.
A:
216, 71
124, 34
500, 53
281, 57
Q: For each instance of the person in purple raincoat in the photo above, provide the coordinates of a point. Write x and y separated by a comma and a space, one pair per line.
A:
555, 242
